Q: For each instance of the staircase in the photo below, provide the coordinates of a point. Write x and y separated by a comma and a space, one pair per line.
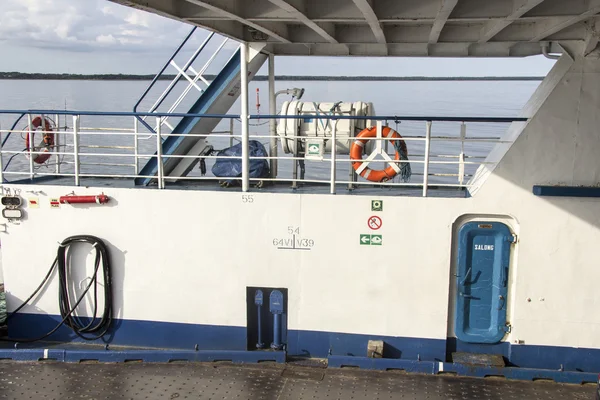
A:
214, 97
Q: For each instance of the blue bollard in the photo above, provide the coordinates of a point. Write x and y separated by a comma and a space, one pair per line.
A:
276, 308
258, 301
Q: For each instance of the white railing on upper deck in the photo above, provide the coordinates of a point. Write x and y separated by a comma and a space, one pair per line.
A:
82, 152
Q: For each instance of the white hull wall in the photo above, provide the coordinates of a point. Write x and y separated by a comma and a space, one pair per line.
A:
176, 252
559, 239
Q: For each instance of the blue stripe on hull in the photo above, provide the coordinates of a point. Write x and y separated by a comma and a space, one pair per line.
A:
180, 336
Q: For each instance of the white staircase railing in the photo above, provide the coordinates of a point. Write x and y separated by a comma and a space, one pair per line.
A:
194, 76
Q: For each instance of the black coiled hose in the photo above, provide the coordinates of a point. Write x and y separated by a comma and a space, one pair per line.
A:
97, 325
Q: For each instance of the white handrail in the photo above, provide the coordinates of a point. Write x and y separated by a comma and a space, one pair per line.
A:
334, 161
426, 163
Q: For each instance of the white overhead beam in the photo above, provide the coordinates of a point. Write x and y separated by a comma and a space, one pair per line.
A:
230, 15
594, 8
300, 16
367, 10
521, 7
440, 19
592, 38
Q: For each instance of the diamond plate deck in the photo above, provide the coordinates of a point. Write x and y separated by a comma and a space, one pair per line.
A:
53, 380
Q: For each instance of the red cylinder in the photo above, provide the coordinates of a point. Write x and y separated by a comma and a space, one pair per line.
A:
98, 199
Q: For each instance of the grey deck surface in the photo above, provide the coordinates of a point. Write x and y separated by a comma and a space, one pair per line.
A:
434, 191
52, 380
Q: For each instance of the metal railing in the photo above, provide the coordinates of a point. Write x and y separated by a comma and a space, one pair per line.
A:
195, 81
83, 152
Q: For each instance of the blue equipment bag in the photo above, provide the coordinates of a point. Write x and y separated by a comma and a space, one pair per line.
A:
232, 167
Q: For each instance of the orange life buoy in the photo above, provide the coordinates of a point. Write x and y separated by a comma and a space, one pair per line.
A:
46, 143
356, 154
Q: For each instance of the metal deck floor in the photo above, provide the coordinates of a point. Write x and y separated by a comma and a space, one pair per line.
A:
52, 380
102, 183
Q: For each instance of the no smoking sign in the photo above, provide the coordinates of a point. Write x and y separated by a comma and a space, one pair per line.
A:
374, 222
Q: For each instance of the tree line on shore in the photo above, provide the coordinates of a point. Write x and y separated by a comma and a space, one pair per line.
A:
130, 77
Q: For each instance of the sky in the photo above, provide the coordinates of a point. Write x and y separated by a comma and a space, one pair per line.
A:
98, 36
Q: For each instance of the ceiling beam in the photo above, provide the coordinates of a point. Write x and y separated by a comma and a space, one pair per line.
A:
300, 16
440, 20
521, 7
592, 38
367, 10
210, 6
563, 23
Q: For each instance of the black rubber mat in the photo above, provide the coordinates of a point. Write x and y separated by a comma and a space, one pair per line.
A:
52, 380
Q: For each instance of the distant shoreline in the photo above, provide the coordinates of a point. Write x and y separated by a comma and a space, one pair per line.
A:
124, 77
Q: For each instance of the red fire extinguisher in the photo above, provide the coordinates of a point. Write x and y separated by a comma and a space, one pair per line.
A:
72, 199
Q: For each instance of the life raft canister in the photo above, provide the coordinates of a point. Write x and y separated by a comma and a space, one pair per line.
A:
356, 153
46, 143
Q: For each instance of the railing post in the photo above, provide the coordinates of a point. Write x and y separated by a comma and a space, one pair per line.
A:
135, 146
426, 163
76, 147
245, 119
461, 158
272, 111
31, 144
57, 143
159, 160
333, 156
230, 132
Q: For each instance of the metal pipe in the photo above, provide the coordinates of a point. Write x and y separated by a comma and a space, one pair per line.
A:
277, 308
276, 345
159, 161
263, 117
273, 111
135, 146
426, 163
230, 132
57, 142
461, 157
76, 147
245, 120
189, 35
259, 343
258, 301
333, 157
545, 52
198, 76
31, 144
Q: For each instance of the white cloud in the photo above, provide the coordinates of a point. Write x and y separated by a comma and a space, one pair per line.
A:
106, 39
85, 25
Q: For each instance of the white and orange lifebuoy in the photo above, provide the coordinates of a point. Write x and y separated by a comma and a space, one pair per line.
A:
356, 154
47, 139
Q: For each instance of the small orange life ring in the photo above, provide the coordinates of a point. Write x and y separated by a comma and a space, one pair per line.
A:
46, 143
356, 154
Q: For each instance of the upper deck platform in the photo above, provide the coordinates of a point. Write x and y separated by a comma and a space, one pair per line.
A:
437, 28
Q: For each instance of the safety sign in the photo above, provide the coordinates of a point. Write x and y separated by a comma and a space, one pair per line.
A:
376, 205
314, 149
371, 240
374, 222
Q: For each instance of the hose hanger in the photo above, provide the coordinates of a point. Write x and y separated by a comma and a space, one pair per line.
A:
91, 327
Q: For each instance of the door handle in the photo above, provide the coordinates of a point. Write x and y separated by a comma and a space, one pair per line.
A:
503, 302
464, 280
466, 296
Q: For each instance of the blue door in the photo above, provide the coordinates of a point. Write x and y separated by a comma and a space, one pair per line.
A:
482, 281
